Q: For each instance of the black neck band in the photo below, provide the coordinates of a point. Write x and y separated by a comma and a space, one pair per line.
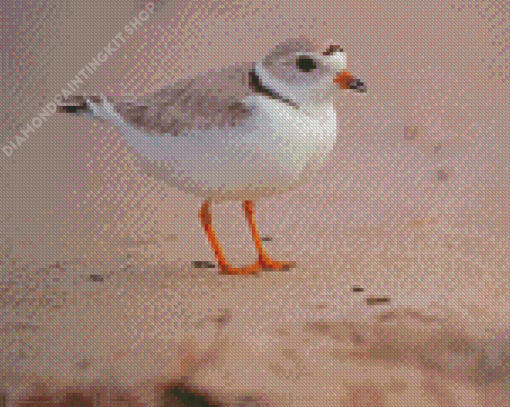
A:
258, 87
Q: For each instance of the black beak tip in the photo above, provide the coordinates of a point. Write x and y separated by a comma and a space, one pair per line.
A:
358, 86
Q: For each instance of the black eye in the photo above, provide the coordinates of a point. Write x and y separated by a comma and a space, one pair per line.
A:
305, 64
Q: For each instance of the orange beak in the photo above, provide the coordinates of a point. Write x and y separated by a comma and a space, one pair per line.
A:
346, 81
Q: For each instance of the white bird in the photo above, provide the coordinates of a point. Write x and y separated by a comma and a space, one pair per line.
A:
246, 132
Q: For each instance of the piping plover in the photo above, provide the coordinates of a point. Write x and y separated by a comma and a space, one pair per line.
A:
245, 132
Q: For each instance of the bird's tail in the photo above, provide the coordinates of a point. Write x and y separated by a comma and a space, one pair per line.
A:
79, 105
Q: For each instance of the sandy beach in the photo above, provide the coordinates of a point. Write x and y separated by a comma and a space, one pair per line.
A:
109, 293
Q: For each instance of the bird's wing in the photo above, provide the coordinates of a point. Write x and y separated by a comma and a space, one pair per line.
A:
210, 100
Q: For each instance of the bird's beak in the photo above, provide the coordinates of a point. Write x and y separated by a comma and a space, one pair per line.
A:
346, 81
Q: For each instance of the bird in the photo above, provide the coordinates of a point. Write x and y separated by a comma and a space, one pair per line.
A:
248, 131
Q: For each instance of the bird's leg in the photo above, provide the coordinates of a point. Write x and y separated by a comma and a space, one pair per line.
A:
205, 217
264, 260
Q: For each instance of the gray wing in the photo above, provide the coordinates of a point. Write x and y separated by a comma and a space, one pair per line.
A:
210, 100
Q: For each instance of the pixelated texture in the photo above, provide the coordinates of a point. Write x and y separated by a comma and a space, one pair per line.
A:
110, 293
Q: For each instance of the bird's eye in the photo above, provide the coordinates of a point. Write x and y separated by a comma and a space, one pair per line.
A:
306, 64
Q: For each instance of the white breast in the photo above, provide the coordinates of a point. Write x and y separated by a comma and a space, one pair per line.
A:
295, 139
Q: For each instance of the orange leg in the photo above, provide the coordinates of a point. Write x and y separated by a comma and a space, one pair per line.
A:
264, 261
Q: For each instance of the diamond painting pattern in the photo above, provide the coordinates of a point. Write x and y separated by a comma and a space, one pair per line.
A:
396, 291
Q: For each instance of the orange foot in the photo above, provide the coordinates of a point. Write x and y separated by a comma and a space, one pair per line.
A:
254, 269
270, 264
266, 265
